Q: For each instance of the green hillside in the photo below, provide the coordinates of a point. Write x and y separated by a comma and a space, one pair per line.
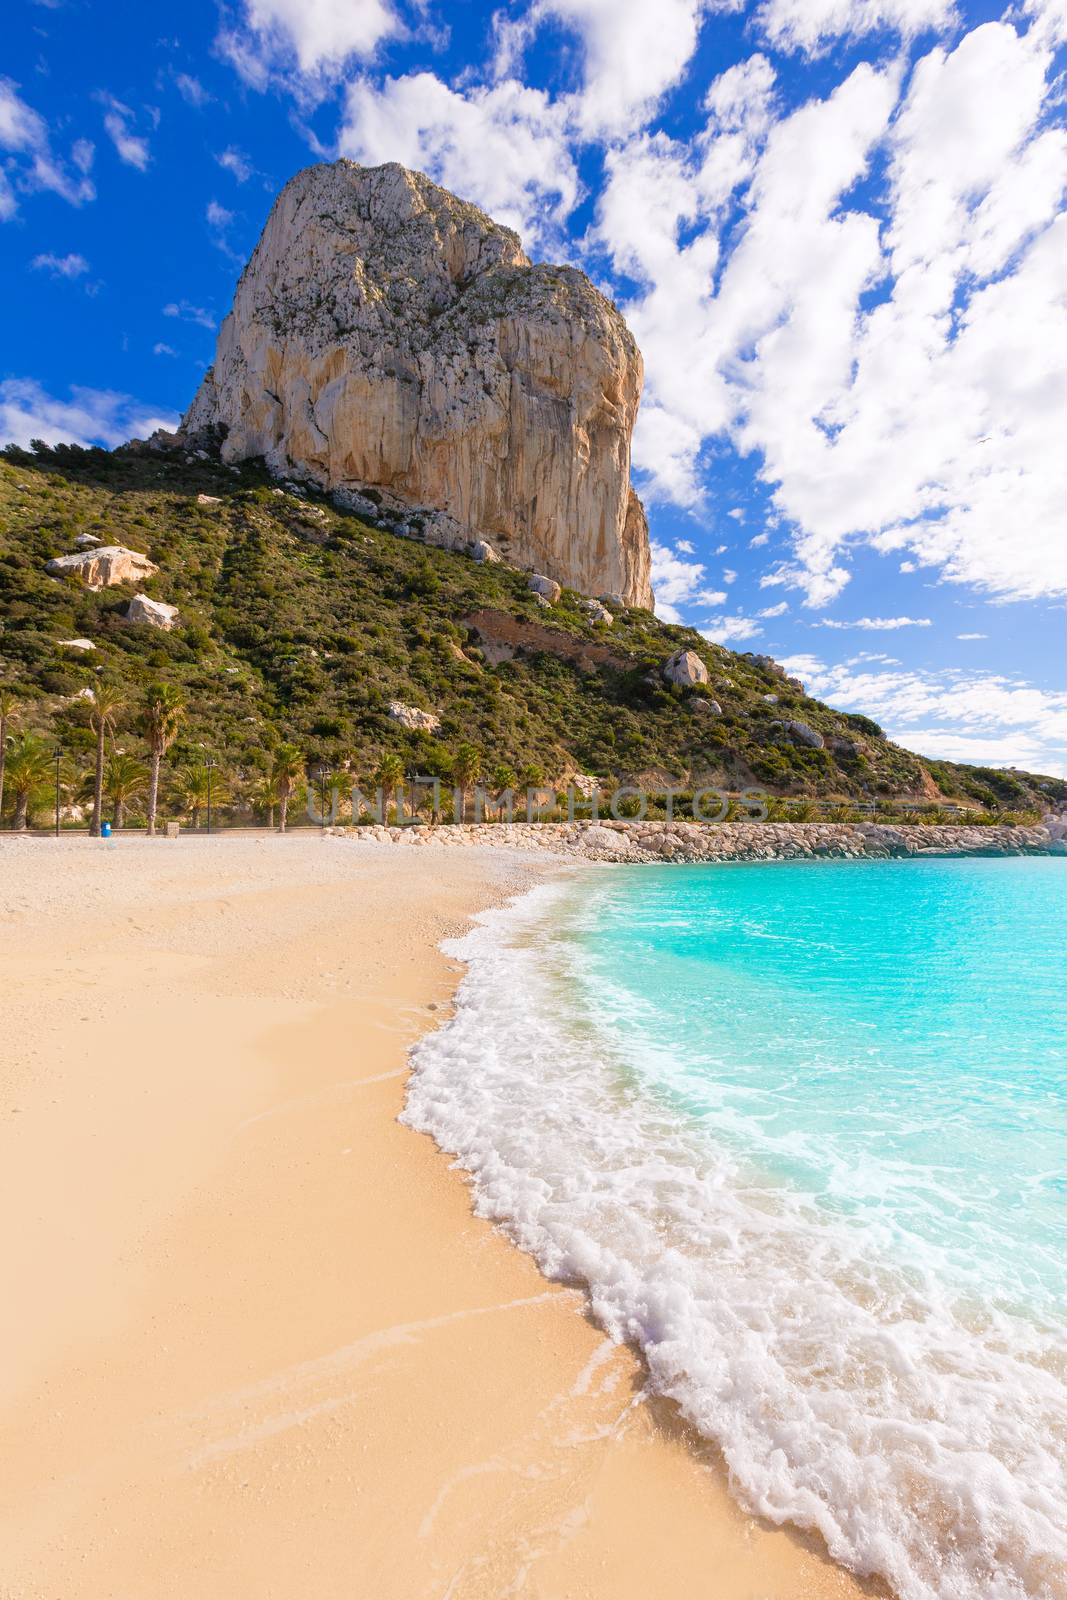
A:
301, 624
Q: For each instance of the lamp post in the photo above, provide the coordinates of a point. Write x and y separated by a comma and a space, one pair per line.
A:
57, 756
210, 765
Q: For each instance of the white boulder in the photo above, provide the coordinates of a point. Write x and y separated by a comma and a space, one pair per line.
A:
685, 669
481, 550
155, 612
101, 569
547, 588
411, 717
76, 644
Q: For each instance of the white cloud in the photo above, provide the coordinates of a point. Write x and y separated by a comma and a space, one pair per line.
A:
675, 581
729, 576
775, 611
941, 436
132, 147
809, 25
163, 350
24, 134
313, 37
877, 624
235, 163
218, 216
972, 636
959, 715
632, 53
684, 547
69, 266
505, 148
186, 312
90, 416
192, 90
723, 630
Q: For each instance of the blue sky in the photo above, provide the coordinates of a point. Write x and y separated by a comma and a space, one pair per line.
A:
837, 228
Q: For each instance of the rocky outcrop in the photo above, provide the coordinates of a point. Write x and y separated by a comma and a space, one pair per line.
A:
685, 669
387, 335
803, 733
100, 569
413, 719
154, 612
547, 588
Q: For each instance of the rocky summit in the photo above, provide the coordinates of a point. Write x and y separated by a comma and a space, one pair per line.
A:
388, 337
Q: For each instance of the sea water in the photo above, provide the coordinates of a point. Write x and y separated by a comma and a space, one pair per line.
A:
800, 1130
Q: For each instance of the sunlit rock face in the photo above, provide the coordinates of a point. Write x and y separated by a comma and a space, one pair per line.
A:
386, 334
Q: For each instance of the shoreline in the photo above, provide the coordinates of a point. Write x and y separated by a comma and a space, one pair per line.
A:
263, 1345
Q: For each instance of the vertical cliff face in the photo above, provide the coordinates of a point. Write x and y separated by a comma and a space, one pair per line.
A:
386, 334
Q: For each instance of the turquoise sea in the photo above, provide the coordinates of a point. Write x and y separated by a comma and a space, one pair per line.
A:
801, 1131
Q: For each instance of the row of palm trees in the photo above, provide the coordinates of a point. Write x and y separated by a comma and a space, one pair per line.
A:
28, 763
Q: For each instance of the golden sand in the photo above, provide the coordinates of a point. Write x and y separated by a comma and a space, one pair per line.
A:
255, 1344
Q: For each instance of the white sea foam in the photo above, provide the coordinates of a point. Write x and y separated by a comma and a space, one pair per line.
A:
924, 1439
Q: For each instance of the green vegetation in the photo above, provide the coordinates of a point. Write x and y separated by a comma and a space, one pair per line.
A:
300, 624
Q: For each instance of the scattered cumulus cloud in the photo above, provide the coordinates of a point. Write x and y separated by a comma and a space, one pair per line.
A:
163, 350
632, 53
87, 417
960, 715
810, 25
675, 581
192, 90
132, 147
309, 39
877, 624
235, 163
185, 311
34, 165
505, 148
68, 266
731, 630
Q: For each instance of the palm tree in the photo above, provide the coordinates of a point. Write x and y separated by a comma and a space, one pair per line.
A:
467, 769
9, 710
29, 767
193, 786
389, 777
503, 779
106, 704
125, 777
286, 772
262, 795
162, 713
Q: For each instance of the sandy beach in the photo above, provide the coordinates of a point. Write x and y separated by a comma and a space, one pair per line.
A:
255, 1343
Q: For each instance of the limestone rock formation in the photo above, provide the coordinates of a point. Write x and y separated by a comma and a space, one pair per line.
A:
545, 588
386, 335
803, 733
412, 718
100, 569
685, 669
155, 612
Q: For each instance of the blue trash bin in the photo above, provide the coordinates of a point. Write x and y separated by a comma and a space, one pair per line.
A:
105, 830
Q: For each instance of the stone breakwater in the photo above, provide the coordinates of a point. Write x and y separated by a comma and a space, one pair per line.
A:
738, 841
